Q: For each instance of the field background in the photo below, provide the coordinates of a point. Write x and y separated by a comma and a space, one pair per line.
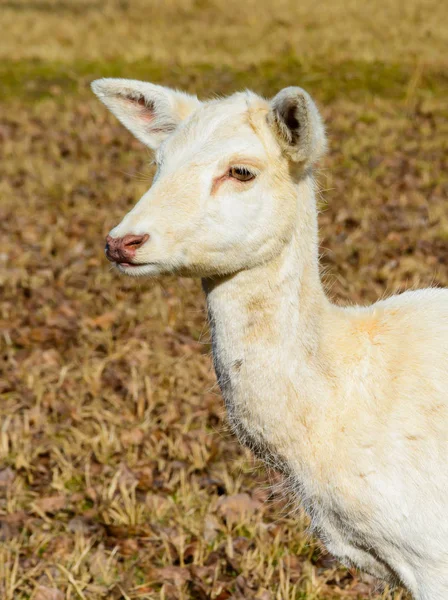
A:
118, 476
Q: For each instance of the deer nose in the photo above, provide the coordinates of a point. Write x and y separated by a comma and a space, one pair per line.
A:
123, 249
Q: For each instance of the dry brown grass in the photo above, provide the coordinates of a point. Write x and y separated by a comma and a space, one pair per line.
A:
119, 478
224, 31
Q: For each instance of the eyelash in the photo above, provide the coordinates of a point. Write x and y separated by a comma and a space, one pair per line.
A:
242, 174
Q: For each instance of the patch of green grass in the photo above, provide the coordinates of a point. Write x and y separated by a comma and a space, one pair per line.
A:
74, 484
355, 80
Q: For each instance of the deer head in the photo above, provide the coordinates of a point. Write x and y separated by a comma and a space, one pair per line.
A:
224, 197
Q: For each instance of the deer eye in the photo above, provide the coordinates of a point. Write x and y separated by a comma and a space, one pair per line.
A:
241, 173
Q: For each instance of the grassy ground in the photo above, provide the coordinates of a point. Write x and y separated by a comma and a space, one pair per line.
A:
118, 476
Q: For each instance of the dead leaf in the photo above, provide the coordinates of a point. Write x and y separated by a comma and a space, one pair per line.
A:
145, 478
211, 528
128, 546
18, 517
295, 567
124, 532
7, 476
241, 544
51, 357
224, 595
176, 575
204, 574
133, 437
170, 592
78, 524
51, 504
98, 564
47, 593
127, 477
233, 507
103, 321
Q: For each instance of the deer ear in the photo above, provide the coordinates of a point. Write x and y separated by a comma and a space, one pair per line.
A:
298, 126
151, 112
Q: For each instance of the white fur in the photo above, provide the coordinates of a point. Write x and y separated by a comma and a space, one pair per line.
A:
351, 404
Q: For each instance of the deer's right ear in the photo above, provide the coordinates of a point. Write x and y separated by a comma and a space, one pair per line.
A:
151, 112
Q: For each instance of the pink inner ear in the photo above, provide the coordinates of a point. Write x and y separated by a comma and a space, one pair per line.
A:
146, 109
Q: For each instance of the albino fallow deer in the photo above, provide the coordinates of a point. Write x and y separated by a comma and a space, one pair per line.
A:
351, 404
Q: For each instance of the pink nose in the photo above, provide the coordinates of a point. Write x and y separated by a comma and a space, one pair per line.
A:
123, 249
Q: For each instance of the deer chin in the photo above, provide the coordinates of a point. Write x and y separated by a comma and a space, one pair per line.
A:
140, 270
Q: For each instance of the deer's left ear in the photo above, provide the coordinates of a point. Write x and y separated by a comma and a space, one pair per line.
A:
298, 126
151, 112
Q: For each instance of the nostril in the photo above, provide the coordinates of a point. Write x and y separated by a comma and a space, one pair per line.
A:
132, 242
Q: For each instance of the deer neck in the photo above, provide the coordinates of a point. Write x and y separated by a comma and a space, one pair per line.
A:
266, 334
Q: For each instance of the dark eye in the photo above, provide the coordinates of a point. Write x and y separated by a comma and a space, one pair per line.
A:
241, 173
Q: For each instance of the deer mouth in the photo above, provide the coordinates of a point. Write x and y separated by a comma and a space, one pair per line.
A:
128, 264
138, 269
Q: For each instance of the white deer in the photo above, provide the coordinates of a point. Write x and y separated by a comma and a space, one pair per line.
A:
350, 403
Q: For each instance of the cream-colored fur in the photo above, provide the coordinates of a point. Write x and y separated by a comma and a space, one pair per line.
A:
350, 404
